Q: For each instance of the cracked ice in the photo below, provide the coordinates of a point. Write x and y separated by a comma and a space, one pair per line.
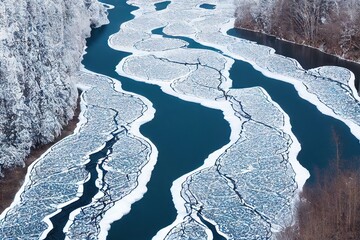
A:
246, 189
254, 179
57, 178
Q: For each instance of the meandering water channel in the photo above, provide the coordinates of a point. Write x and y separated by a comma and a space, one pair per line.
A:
186, 133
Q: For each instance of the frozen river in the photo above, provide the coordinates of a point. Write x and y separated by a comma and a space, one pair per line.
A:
186, 133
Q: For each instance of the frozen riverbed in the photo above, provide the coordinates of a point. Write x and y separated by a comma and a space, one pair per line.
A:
106, 153
244, 190
261, 131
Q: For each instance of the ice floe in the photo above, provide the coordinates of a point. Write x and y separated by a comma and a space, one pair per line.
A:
160, 44
56, 179
254, 179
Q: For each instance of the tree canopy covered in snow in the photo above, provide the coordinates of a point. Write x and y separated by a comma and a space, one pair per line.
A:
41, 45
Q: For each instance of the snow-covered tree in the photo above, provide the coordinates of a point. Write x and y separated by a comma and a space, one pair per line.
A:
41, 45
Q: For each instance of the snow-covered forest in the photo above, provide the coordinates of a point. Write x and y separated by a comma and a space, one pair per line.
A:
331, 25
41, 44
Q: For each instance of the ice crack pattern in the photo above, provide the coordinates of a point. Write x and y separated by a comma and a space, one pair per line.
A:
108, 138
246, 192
247, 188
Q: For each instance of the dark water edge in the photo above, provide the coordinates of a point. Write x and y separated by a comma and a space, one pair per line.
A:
161, 5
316, 137
308, 57
214, 231
207, 6
59, 220
183, 133
314, 130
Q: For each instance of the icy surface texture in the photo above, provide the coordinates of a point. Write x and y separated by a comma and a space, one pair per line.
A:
247, 192
179, 29
120, 169
153, 68
41, 44
189, 229
191, 72
250, 189
56, 178
327, 87
331, 85
160, 44
220, 203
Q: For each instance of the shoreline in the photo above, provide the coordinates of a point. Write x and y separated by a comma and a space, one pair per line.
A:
300, 88
14, 177
297, 43
344, 62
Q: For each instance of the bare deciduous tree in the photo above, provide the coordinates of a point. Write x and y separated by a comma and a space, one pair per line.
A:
307, 21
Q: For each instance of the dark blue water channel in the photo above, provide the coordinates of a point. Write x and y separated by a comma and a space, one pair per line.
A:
186, 133
316, 132
161, 5
308, 57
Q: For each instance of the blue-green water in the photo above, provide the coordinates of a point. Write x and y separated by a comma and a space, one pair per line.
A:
186, 133
207, 6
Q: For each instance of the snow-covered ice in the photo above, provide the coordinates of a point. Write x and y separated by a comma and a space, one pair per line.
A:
56, 179
255, 178
246, 189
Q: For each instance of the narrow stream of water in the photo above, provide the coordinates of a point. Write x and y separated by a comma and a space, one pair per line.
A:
60, 220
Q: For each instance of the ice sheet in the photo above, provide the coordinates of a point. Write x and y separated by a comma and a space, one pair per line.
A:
253, 175
56, 179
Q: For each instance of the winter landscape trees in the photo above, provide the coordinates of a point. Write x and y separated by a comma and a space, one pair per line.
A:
41, 44
331, 25
328, 210
330, 207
